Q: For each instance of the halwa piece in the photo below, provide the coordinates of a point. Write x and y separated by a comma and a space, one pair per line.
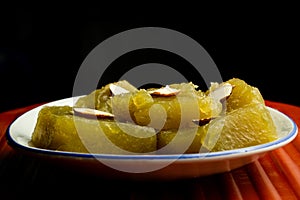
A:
165, 112
58, 128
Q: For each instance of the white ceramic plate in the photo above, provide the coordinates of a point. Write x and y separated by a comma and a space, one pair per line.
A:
156, 167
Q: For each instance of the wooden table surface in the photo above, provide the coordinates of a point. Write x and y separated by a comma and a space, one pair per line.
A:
274, 176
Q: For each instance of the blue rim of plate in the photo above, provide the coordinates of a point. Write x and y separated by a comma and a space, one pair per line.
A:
210, 155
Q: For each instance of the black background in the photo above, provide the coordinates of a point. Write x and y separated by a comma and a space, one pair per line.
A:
41, 51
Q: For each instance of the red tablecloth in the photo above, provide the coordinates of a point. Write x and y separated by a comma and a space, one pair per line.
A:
274, 176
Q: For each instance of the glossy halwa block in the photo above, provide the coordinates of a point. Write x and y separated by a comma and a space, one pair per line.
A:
164, 113
100, 98
186, 140
58, 129
247, 126
246, 122
244, 127
242, 94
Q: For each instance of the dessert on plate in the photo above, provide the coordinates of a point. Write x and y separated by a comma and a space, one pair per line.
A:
119, 118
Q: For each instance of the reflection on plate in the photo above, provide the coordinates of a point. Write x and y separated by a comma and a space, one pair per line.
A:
156, 167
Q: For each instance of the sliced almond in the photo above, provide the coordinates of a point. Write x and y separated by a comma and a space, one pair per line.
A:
222, 92
117, 90
91, 113
164, 91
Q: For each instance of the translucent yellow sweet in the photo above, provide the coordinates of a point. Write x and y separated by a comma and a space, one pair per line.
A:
242, 94
164, 113
100, 98
188, 140
144, 122
58, 129
244, 127
247, 122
